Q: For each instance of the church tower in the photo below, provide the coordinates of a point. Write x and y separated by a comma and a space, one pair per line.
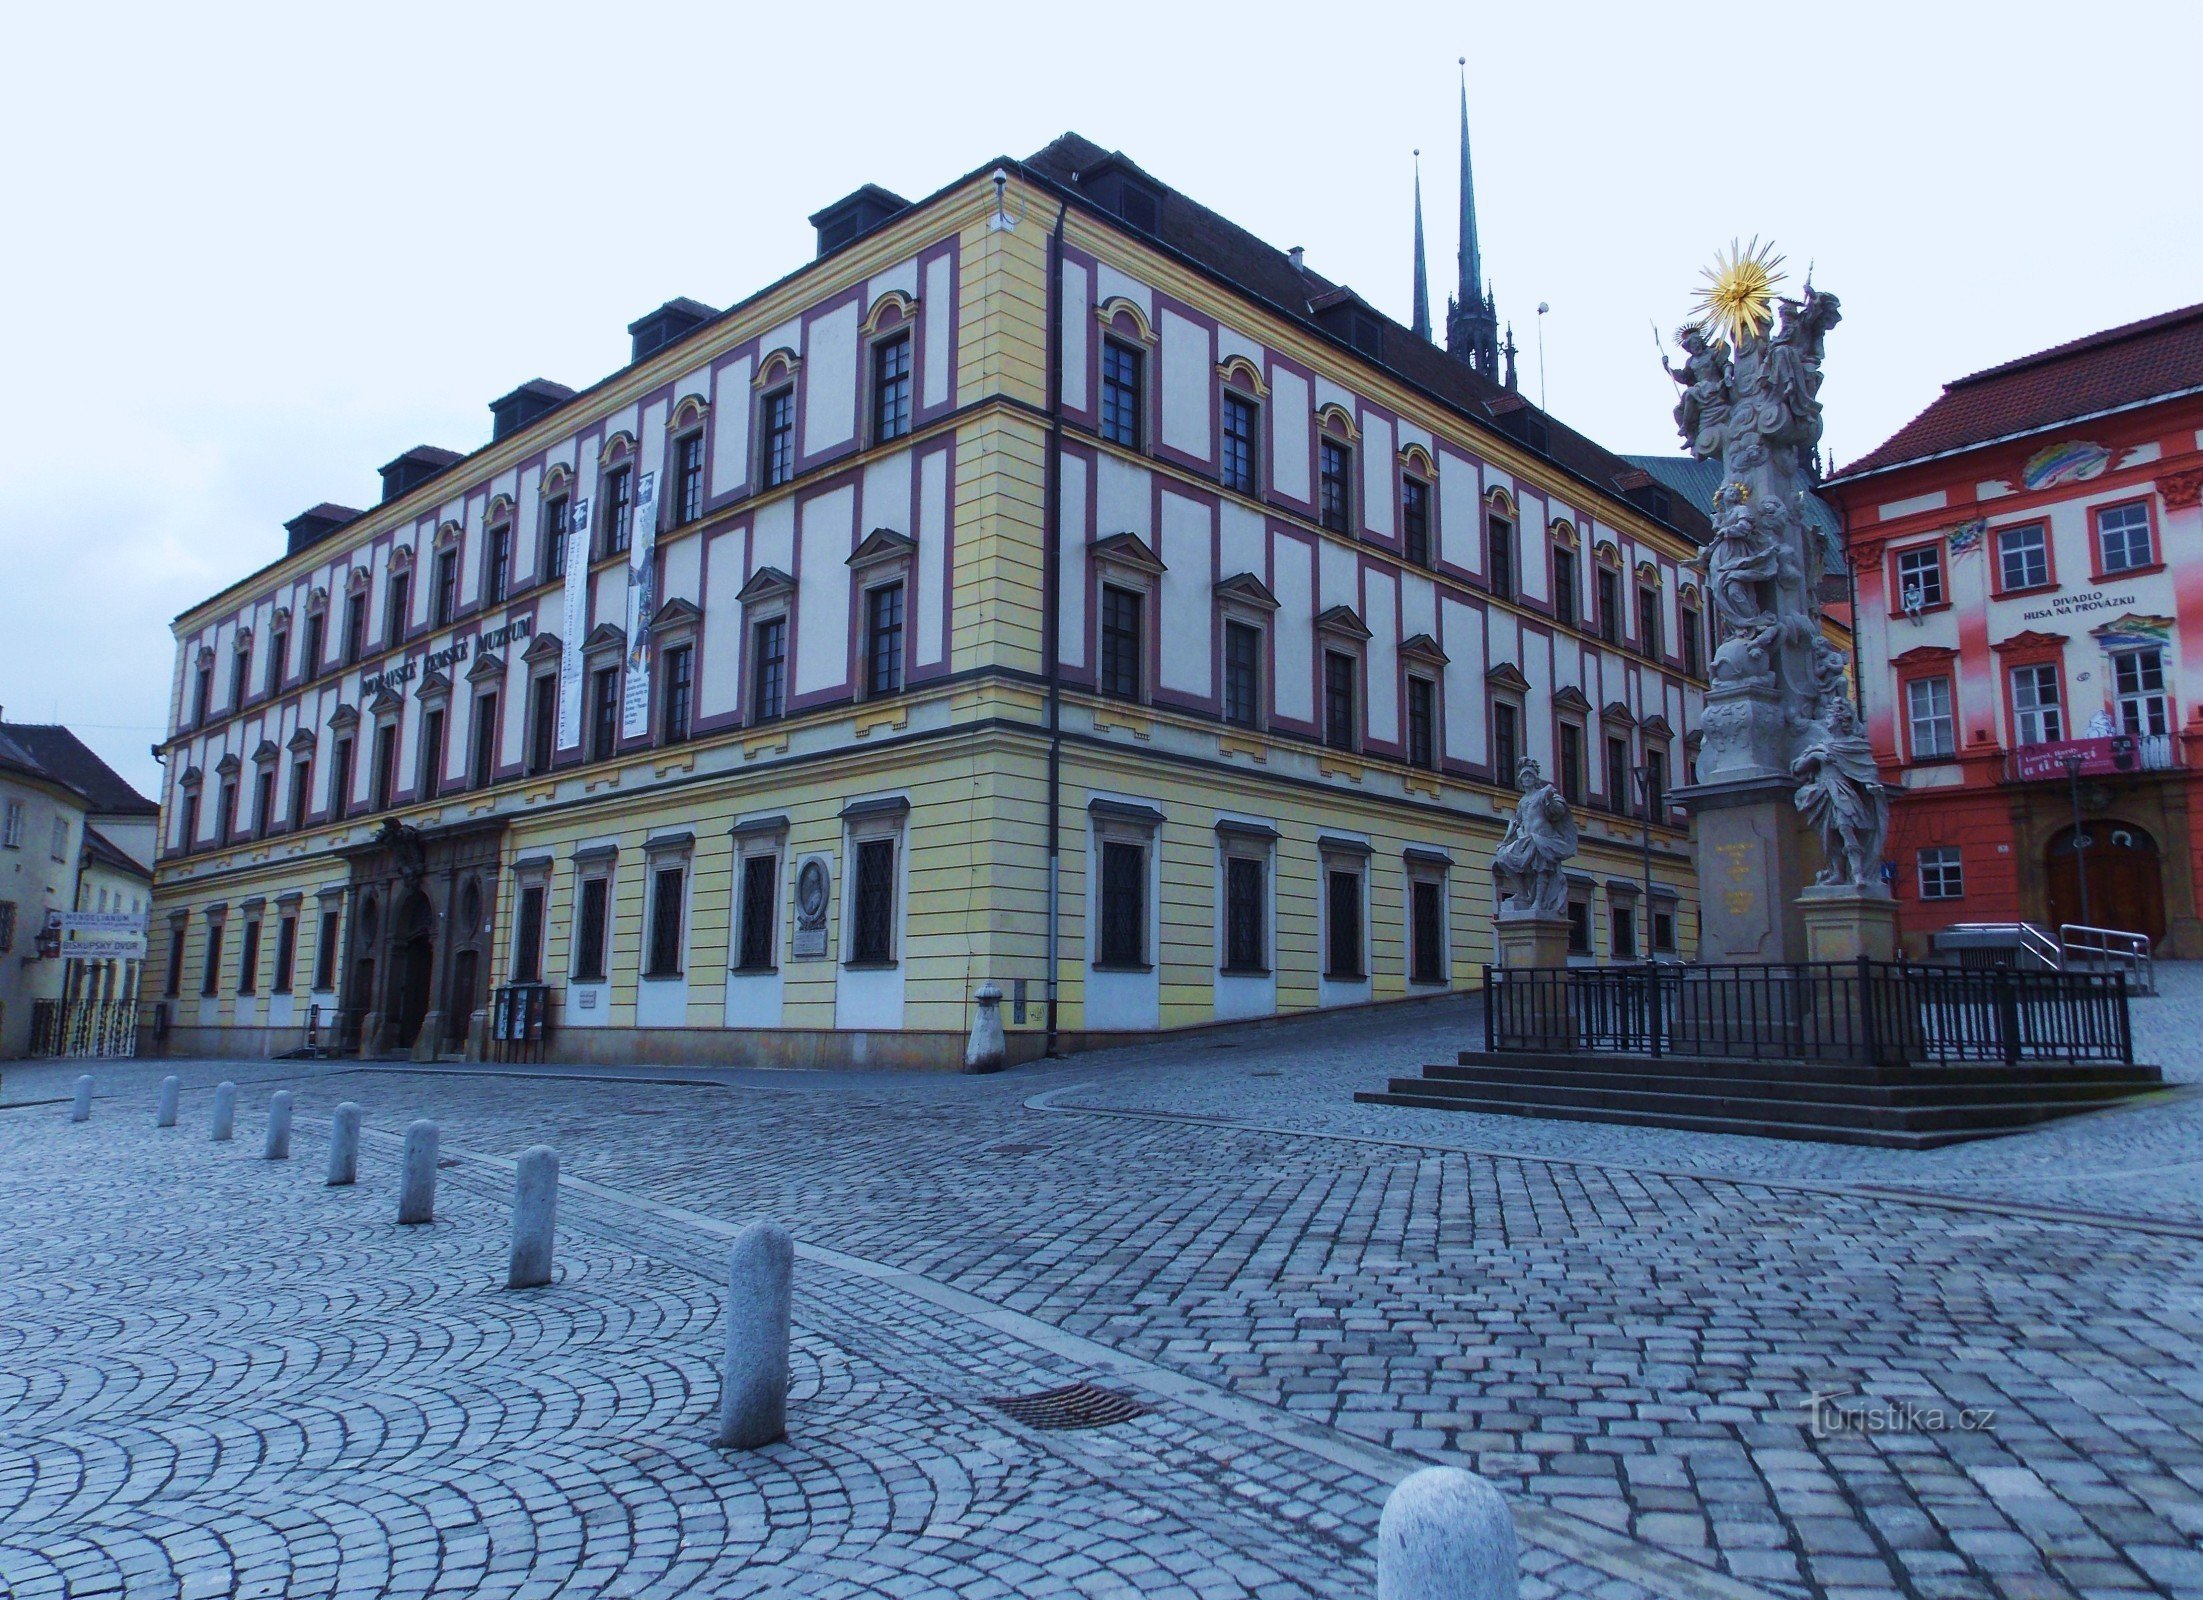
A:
1472, 320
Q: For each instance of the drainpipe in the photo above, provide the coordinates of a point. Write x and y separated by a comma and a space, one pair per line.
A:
1051, 608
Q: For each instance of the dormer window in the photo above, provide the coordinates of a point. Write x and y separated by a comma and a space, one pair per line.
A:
1127, 195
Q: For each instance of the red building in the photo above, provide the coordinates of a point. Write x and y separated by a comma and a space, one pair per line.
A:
2029, 553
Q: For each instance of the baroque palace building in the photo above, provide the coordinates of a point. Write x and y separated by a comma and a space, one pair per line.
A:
2030, 626
1049, 585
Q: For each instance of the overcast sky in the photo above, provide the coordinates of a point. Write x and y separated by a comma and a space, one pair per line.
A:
254, 253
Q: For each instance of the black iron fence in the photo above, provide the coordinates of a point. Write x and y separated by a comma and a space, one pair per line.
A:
520, 1021
1870, 1012
84, 1028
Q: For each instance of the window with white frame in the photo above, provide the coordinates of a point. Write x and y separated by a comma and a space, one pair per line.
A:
668, 905
1929, 718
2036, 715
1942, 873
592, 916
2023, 556
1920, 577
1428, 960
2138, 678
2122, 535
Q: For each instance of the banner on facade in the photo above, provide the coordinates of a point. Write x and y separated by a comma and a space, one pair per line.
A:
103, 935
577, 622
642, 604
2095, 758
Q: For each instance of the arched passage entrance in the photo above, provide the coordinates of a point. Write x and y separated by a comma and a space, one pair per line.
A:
2126, 878
413, 967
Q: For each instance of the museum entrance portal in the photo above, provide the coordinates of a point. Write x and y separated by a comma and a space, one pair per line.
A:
2126, 878
416, 968
419, 938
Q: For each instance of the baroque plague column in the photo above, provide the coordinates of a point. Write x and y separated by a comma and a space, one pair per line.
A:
1782, 750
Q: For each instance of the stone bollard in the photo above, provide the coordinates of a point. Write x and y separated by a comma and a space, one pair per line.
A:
278, 1147
80, 1109
171, 1089
1445, 1534
344, 1146
986, 1050
753, 1404
417, 1188
535, 1215
225, 1111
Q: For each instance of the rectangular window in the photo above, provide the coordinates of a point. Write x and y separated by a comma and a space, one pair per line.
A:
1427, 924
555, 524
1123, 904
1571, 763
1122, 639
317, 645
1335, 492
340, 779
2138, 678
1692, 661
432, 754
400, 620
2035, 710
1564, 585
1656, 786
325, 954
777, 429
1928, 713
769, 691
7, 940
873, 939
1342, 923
542, 722
286, 952
891, 388
355, 627
1663, 927
248, 958
497, 565
263, 802
1617, 776
1246, 921
688, 478
1579, 927
665, 922
1920, 577
1942, 873
618, 516
484, 771
386, 765
760, 896
1338, 700
210, 977
1242, 674
1648, 622
1422, 722
190, 823
279, 653
604, 713
226, 819
2023, 557
679, 692
589, 930
1623, 928
1239, 458
1120, 410
883, 639
1506, 742
172, 986
1610, 605
202, 695
11, 834
528, 935
1415, 520
60, 847
1499, 555
302, 788
447, 586
240, 675
2122, 534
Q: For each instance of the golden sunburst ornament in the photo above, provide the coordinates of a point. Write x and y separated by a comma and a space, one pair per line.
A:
1738, 300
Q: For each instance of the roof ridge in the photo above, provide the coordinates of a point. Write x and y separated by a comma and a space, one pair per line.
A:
2102, 339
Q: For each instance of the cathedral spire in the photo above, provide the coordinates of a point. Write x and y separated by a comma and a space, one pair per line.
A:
1472, 321
1421, 326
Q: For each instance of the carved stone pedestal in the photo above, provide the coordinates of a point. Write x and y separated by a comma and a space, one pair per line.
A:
1843, 923
1753, 855
429, 1040
1532, 939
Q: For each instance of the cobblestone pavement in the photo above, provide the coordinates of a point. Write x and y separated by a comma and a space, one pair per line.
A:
215, 1375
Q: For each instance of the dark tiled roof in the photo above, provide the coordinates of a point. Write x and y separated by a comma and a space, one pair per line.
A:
1230, 252
104, 852
61, 755
2121, 366
1696, 481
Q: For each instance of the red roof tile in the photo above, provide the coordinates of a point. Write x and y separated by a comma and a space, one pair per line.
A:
2121, 366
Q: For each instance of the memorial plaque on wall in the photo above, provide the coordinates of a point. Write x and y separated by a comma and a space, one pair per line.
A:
814, 893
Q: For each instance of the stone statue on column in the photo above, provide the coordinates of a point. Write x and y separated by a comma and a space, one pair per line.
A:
1529, 876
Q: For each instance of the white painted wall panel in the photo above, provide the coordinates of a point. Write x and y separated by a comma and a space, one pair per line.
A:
719, 682
681, 569
1292, 422
1242, 540
1109, 284
774, 536
1231, 342
1189, 374
1378, 465
696, 383
933, 543
1460, 512
1333, 394
887, 494
788, 336
822, 591
1292, 636
903, 277
1078, 318
1384, 657
830, 381
938, 317
527, 528
1530, 567
1341, 574
730, 428
1071, 601
1123, 501
1418, 605
1189, 599
1537, 722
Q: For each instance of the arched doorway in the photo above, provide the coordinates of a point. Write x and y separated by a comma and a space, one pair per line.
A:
2126, 878
413, 966
465, 968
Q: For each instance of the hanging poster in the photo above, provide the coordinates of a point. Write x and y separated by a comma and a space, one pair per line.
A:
577, 623
642, 604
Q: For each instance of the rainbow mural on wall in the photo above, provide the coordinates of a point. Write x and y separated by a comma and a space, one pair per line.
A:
1967, 536
2134, 631
2074, 461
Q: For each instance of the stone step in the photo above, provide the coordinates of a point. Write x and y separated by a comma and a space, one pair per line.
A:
1983, 1087
1712, 1068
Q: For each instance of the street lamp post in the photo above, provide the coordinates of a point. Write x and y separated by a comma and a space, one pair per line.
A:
2073, 761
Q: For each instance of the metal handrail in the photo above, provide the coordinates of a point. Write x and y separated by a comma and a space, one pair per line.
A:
2030, 939
2108, 947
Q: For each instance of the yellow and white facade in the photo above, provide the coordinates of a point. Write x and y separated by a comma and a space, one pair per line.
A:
1028, 590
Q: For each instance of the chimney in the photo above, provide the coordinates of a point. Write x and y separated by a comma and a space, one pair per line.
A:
1296, 253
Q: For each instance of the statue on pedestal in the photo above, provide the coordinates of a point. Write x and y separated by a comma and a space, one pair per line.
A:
1541, 836
1840, 793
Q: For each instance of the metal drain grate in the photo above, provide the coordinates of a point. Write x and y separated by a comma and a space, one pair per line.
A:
1077, 1405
